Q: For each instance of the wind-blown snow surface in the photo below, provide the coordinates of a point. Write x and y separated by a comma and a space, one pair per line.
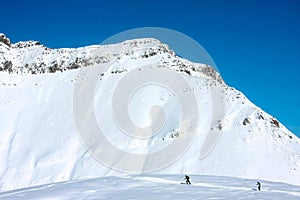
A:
157, 187
40, 144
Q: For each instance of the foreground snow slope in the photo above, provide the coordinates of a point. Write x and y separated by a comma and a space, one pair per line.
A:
157, 187
40, 144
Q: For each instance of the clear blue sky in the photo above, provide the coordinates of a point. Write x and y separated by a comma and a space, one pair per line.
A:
255, 44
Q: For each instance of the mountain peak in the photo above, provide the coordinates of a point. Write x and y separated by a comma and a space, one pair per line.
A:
32, 57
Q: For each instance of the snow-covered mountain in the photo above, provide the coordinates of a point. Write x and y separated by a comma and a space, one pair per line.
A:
39, 137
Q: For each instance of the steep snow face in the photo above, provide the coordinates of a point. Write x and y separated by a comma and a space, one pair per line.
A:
39, 138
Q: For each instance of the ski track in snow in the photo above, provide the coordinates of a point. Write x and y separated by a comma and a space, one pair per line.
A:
160, 180
155, 187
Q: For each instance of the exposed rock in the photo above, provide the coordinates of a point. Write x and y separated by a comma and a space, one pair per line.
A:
7, 66
246, 121
275, 122
4, 39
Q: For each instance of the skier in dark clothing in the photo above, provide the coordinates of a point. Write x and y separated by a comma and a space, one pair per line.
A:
187, 178
258, 183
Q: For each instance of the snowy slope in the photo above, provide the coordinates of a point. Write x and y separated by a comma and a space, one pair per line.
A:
157, 187
39, 138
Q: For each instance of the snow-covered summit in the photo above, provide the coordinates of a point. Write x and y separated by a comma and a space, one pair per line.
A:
35, 58
39, 141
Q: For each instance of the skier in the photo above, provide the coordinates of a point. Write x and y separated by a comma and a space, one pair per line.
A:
187, 178
258, 183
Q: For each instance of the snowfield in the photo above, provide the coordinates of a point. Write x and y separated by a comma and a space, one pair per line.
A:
157, 187
40, 143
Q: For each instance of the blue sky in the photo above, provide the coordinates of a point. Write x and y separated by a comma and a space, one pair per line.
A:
255, 44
